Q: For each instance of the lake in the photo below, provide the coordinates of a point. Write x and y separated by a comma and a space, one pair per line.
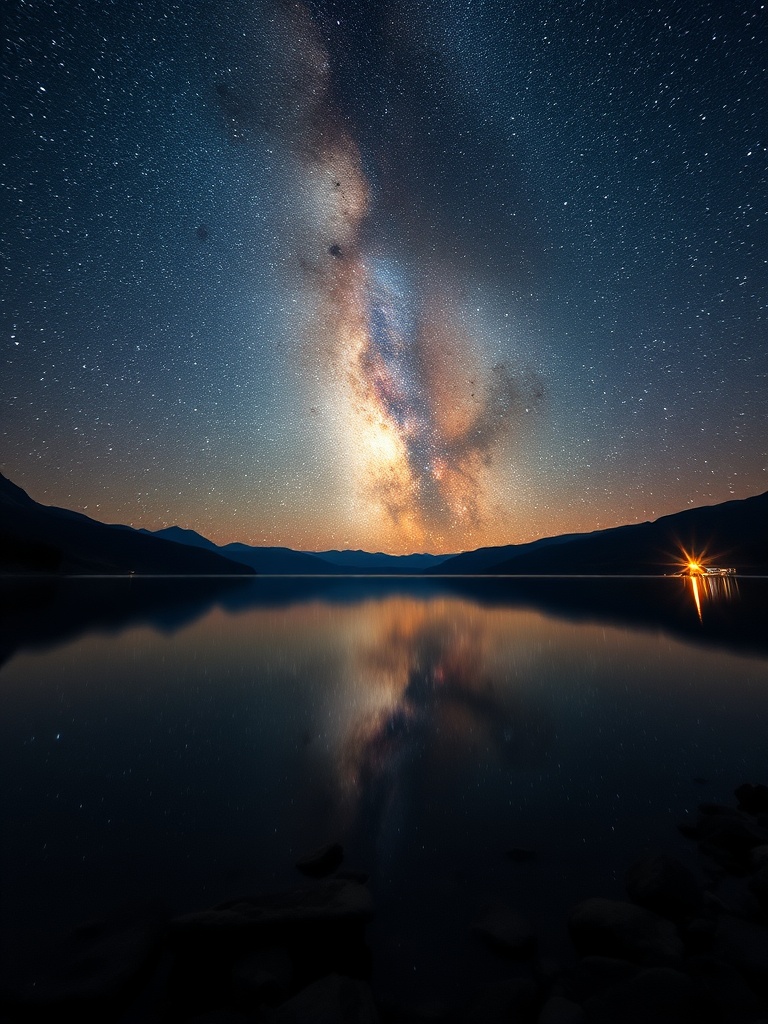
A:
187, 741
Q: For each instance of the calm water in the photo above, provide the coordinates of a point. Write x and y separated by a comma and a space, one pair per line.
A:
187, 742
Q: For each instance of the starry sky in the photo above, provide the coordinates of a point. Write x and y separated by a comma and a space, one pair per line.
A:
415, 275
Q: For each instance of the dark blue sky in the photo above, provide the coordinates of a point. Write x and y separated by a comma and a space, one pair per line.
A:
406, 275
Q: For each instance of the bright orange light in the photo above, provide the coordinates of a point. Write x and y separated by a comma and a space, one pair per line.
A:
696, 598
692, 563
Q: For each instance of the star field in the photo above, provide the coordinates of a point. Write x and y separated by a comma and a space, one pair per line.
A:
409, 276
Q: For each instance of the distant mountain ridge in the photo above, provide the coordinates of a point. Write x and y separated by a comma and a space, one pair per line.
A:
733, 534
286, 561
365, 560
38, 538
45, 539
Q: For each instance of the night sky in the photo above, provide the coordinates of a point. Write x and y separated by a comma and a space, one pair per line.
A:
401, 276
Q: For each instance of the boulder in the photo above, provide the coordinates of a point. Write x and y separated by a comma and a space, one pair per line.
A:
507, 1002
100, 964
321, 862
506, 931
759, 886
712, 808
613, 928
658, 995
688, 827
744, 944
732, 894
752, 799
698, 934
331, 1000
592, 975
262, 976
547, 971
221, 1016
334, 902
557, 1010
725, 988
730, 838
322, 928
663, 884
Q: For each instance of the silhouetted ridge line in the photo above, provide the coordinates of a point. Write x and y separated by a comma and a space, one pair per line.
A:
44, 539
734, 533
38, 538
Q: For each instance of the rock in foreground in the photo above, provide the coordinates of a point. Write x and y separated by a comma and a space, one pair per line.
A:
331, 1000
505, 930
612, 928
663, 884
334, 902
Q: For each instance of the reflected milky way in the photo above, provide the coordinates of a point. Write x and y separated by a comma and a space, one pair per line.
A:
436, 675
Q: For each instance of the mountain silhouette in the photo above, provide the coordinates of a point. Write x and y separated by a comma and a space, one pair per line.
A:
732, 534
284, 561
365, 561
44, 539
38, 538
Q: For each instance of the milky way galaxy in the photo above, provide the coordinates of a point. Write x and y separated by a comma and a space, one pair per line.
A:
416, 275
419, 414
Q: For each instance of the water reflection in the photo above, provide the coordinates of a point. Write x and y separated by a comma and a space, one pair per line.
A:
709, 589
190, 748
39, 614
441, 680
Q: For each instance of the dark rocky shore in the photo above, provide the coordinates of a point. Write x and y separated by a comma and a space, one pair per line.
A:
687, 947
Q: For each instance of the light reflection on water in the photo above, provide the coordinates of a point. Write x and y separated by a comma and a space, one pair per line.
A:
429, 732
711, 589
